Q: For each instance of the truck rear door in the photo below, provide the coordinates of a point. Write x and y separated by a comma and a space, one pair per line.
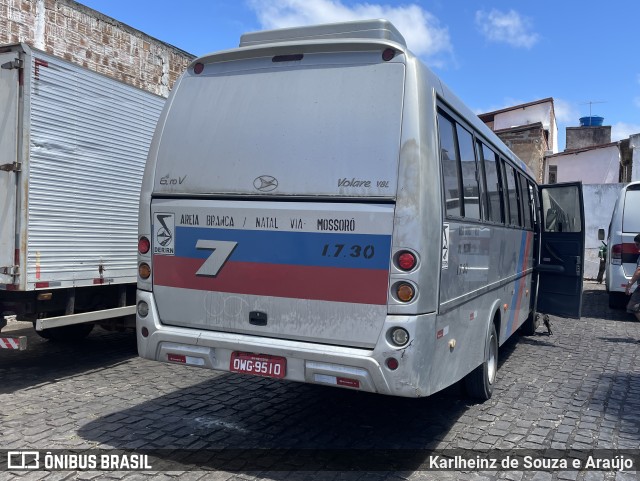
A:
9, 95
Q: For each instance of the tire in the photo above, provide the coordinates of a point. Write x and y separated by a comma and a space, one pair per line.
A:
480, 381
69, 334
618, 300
530, 326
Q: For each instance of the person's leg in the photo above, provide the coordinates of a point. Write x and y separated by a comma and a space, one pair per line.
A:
633, 307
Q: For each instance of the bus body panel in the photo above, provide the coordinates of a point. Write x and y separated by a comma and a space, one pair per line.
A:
306, 271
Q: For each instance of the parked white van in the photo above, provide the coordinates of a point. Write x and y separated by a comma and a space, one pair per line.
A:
622, 255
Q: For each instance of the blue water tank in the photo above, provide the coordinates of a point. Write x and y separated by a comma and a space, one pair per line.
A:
593, 121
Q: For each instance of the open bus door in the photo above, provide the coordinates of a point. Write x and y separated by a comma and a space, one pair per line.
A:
561, 263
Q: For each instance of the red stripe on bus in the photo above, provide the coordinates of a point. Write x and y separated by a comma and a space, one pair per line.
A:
361, 286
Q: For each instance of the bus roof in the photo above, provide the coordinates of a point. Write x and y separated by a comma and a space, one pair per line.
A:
379, 29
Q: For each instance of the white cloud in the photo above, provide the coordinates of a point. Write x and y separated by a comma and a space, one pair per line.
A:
421, 29
623, 130
566, 113
509, 27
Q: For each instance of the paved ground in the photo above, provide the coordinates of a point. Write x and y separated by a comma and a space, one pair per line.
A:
577, 389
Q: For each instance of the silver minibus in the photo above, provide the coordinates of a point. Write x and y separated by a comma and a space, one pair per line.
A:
319, 207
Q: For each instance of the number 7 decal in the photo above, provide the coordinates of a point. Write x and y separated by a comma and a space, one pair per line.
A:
221, 252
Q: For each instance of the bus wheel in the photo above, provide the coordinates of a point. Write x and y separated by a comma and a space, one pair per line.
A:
480, 381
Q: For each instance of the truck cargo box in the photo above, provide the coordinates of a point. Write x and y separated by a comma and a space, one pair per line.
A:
74, 145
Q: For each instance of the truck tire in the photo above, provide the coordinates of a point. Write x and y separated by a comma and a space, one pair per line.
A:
480, 381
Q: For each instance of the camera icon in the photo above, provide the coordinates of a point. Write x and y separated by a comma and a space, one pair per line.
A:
23, 460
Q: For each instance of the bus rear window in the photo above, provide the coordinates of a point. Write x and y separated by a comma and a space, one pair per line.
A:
631, 214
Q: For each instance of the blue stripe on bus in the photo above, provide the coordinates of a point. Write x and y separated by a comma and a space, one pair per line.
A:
362, 251
518, 290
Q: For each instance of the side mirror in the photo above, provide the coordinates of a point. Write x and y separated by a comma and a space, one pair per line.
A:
601, 234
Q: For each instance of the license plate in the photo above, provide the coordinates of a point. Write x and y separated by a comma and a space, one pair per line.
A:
258, 364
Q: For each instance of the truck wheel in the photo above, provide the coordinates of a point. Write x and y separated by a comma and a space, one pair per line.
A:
73, 333
479, 382
618, 300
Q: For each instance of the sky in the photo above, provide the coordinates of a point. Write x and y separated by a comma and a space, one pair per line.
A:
492, 53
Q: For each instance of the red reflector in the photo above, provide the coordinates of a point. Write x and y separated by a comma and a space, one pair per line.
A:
344, 381
198, 68
177, 358
143, 245
145, 333
98, 280
392, 363
616, 251
42, 285
406, 261
388, 54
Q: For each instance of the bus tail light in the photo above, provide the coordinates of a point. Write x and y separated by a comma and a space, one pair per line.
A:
405, 292
406, 260
616, 254
398, 336
144, 270
143, 309
143, 245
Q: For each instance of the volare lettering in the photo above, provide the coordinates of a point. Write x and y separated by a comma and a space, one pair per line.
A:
353, 182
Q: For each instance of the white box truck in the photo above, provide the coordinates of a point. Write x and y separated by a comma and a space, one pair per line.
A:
74, 145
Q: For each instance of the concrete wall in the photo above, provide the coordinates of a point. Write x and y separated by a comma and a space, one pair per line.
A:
634, 144
542, 112
599, 200
581, 137
529, 144
83, 36
595, 166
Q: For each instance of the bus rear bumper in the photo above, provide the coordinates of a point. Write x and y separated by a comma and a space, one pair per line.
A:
347, 367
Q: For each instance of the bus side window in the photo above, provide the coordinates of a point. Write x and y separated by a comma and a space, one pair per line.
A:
512, 195
449, 159
470, 185
482, 181
493, 184
525, 198
505, 191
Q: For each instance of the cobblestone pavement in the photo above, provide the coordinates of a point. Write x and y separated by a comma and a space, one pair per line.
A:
576, 389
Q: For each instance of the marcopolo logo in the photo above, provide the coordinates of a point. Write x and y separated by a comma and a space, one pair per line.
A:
164, 229
265, 183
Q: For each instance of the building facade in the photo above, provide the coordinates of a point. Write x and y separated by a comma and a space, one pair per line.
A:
88, 38
529, 130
